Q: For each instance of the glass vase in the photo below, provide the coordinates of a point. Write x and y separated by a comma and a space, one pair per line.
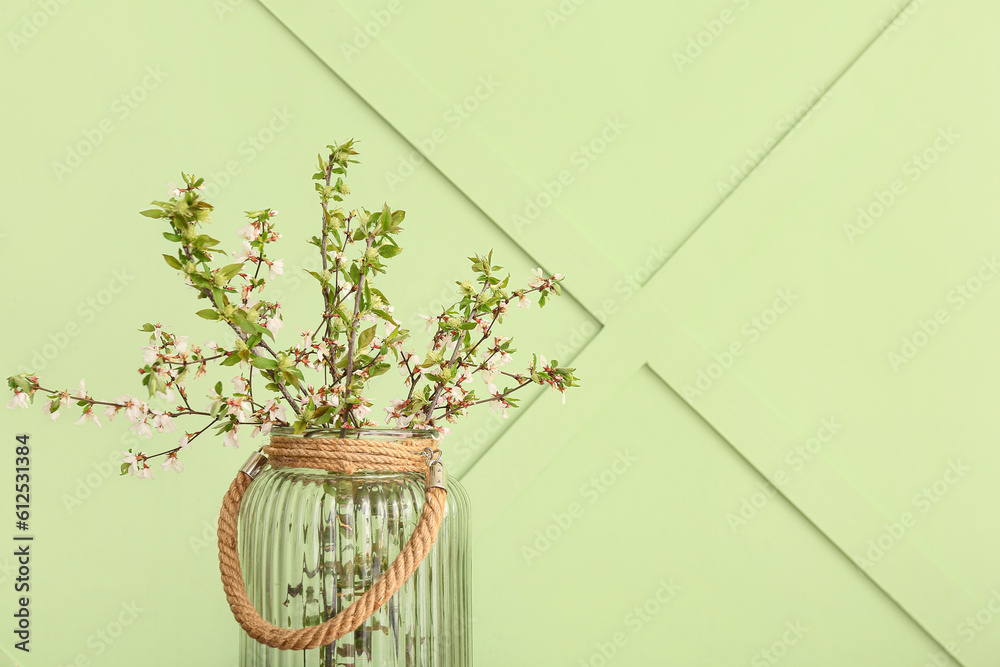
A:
312, 541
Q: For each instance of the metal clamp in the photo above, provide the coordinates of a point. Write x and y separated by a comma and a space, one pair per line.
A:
435, 469
255, 464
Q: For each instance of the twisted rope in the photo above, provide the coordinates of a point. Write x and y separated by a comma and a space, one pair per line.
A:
336, 455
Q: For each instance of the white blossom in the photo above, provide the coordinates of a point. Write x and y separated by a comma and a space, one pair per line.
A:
275, 410
20, 400
133, 461
277, 267
173, 463
245, 254
239, 408
360, 410
88, 416
135, 410
431, 322
163, 423
250, 231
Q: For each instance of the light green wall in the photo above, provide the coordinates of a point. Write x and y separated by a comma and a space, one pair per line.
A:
727, 313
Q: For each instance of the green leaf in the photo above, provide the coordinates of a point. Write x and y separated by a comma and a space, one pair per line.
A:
208, 314
205, 241
219, 297
318, 277
218, 388
153, 213
172, 261
263, 363
230, 270
147, 327
389, 250
172, 237
244, 324
379, 369
231, 360
366, 337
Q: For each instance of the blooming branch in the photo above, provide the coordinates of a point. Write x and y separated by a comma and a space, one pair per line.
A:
344, 352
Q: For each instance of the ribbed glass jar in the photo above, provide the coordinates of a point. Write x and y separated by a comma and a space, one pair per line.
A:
312, 541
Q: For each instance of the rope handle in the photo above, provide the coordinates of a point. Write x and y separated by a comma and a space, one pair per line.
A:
349, 619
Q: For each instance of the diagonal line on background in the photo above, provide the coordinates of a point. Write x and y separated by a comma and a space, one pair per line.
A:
416, 149
526, 406
781, 139
806, 517
643, 288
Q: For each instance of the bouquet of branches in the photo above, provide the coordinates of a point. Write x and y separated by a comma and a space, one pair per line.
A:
320, 381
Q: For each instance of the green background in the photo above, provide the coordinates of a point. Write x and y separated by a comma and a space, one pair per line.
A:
777, 224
